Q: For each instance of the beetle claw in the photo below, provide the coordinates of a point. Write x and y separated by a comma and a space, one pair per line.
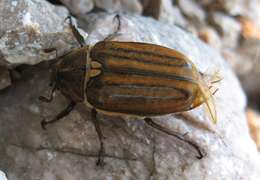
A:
200, 156
100, 162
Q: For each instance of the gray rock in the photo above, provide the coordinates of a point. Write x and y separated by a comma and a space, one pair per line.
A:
228, 27
5, 79
192, 10
68, 149
79, 6
211, 37
2, 176
171, 14
164, 11
248, 68
133, 6
28, 27
243, 8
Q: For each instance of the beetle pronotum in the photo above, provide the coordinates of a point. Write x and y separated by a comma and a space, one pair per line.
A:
129, 78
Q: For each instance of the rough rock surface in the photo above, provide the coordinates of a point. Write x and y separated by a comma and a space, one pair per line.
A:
170, 14
133, 6
28, 27
68, 149
5, 79
192, 10
228, 27
79, 6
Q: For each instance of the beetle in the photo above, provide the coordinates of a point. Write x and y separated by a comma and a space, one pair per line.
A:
129, 78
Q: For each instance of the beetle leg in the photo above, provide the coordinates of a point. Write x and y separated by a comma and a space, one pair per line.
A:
76, 33
100, 161
48, 100
59, 116
116, 32
151, 123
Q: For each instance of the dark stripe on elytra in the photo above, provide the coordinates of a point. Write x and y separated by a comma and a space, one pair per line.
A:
184, 96
104, 55
151, 98
132, 71
117, 49
97, 83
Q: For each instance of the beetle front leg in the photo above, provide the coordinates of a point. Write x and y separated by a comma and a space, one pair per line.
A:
151, 123
62, 114
100, 161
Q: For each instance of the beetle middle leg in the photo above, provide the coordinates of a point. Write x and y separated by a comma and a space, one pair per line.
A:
59, 116
151, 123
100, 161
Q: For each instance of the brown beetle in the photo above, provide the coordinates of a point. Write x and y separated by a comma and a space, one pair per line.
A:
129, 78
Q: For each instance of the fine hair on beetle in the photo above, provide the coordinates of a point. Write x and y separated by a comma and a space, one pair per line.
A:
129, 78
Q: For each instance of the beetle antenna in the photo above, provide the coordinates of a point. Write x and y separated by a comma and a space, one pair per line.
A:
117, 17
80, 39
151, 123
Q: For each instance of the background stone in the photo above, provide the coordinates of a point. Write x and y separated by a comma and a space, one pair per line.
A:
5, 79
133, 6
228, 28
79, 6
68, 149
28, 27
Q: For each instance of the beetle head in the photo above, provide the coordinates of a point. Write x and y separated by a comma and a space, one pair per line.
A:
68, 75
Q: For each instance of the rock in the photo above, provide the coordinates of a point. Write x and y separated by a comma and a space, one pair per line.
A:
248, 68
228, 27
254, 124
249, 9
68, 149
2, 176
210, 36
133, 6
171, 14
5, 79
250, 30
192, 10
28, 27
79, 7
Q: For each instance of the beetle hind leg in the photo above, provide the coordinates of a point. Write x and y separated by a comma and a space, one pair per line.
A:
100, 161
59, 116
151, 123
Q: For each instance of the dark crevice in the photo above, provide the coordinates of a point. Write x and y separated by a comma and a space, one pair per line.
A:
55, 2
153, 162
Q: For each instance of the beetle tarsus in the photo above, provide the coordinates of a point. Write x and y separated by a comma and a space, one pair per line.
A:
59, 116
100, 161
80, 39
45, 99
151, 123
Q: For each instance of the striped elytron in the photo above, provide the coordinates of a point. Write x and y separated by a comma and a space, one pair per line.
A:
142, 79
130, 78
